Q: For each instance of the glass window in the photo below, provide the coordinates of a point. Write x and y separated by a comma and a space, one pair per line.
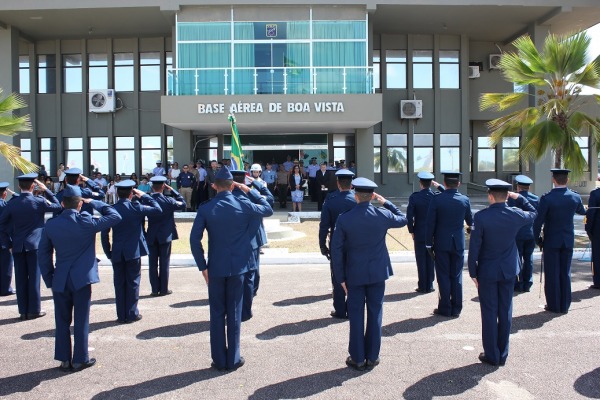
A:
486, 156
99, 154
584, 144
170, 158
149, 71
397, 152
48, 154
395, 69
423, 69
24, 71
124, 155
47, 73
449, 69
151, 152
376, 69
510, 154
396, 139
72, 74
169, 73
123, 64
74, 152
97, 71
423, 152
450, 152
343, 139
26, 148
377, 153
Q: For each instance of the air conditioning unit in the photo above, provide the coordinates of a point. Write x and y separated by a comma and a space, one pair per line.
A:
495, 61
474, 72
411, 109
102, 101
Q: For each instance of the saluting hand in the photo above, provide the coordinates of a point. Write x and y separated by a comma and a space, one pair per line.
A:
83, 177
242, 187
379, 198
40, 185
168, 187
513, 195
138, 193
87, 200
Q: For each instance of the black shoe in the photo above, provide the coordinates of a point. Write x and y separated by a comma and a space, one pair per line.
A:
430, 290
486, 360
168, 292
353, 364
9, 293
239, 364
65, 366
82, 366
438, 312
214, 366
502, 362
372, 364
338, 316
594, 286
154, 294
419, 290
247, 317
135, 319
23, 317
36, 315
120, 321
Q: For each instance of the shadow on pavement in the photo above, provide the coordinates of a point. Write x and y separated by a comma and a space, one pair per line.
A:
400, 296
532, 321
10, 321
13, 301
179, 330
154, 387
104, 301
409, 325
304, 386
94, 326
588, 384
584, 294
191, 303
27, 381
298, 328
302, 300
448, 383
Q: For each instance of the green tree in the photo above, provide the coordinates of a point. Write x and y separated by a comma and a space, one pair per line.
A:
11, 125
558, 73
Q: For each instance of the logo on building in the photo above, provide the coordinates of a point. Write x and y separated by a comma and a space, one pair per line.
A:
271, 30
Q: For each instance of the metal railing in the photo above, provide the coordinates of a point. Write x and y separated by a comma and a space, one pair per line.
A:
266, 80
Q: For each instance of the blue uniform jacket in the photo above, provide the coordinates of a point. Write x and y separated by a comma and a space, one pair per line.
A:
335, 204
77, 262
358, 251
23, 218
493, 254
3, 204
128, 235
416, 212
592, 220
162, 226
445, 226
231, 226
260, 239
526, 232
556, 211
92, 191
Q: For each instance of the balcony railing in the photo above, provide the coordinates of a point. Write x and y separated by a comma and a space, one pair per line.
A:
266, 80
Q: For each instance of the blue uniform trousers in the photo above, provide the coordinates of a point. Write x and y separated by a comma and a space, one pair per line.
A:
525, 279
27, 282
495, 300
596, 262
365, 345
339, 296
448, 266
425, 268
66, 304
159, 258
557, 278
225, 298
6, 272
250, 281
127, 288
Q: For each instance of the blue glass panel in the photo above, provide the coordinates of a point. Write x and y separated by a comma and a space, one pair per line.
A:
339, 30
273, 30
204, 31
204, 55
330, 54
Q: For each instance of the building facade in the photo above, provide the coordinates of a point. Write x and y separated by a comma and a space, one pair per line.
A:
393, 86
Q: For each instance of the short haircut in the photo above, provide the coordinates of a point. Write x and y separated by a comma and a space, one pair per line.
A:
71, 203
345, 183
364, 196
426, 183
71, 179
561, 179
25, 184
124, 193
2, 190
499, 195
451, 183
223, 183
157, 185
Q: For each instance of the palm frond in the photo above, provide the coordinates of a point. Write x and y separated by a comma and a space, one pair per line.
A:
11, 102
10, 125
13, 156
565, 54
516, 70
529, 53
540, 137
500, 101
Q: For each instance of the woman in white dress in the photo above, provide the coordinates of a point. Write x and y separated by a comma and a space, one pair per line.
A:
174, 172
296, 181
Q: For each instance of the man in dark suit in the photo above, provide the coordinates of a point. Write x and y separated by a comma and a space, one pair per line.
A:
494, 264
161, 232
128, 246
72, 275
445, 239
230, 224
555, 213
6, 259
322, 184
361, 264
337, 202
416, 214
592, 227
210, 178
525, 240
89, 188
23, 221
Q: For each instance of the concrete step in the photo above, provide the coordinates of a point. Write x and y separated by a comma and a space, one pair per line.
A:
276, 231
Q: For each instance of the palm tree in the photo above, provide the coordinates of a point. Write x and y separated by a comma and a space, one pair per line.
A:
559, 73
11, 125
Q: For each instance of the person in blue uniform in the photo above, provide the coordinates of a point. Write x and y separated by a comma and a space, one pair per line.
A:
445, 240
494, 264
555, 214
336, 203
259, 239
128, 246
160, 234
361, 265
525, 240
89, 188
6, 259
158, 170
592, 227
72, 273
416, 214
230, 224
23, 221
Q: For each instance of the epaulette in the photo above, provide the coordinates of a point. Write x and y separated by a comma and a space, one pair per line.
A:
574, 191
